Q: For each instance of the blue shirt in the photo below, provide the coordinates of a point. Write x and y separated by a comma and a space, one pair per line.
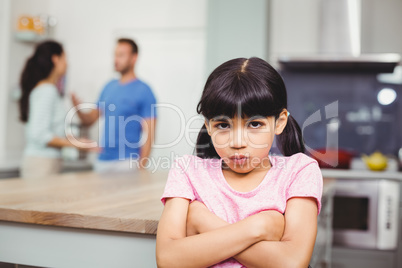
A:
123, 107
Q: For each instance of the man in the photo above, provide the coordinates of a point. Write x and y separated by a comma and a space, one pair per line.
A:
127, 106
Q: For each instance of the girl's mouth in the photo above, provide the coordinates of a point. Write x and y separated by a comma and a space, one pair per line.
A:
239, 159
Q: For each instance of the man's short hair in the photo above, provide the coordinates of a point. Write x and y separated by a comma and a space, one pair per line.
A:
134, 47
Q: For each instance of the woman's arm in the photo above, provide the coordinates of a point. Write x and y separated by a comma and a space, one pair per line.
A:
293, 250
174, 249
84, 144
58, 142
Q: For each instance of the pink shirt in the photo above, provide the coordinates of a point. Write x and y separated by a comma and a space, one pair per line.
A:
200, 179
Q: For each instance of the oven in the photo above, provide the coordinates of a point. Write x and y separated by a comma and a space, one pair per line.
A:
366, 213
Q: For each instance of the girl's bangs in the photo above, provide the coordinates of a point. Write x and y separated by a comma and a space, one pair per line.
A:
240, 97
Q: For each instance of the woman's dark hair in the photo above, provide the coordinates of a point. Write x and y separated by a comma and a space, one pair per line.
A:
37, 68
258, 89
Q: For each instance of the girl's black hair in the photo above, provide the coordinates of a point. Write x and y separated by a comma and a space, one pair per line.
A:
37, 68
258, 89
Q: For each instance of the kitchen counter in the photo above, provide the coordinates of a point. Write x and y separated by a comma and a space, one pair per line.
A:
83, 219
122, 202
118, 202
361, 174
328, 186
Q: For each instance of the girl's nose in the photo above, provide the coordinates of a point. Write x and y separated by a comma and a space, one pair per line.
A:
238, 139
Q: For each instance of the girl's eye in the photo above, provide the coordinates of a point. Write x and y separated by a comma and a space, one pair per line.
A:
255, 124
223, 126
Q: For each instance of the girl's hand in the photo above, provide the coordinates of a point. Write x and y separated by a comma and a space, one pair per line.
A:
201, 220
273, 225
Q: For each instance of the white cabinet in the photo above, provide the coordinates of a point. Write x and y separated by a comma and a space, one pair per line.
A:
354, 258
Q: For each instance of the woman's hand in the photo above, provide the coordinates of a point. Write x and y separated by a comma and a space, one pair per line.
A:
201, 220
83, 144
87, 145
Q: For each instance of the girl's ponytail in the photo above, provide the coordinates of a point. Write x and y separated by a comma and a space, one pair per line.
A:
290, 141
204, 147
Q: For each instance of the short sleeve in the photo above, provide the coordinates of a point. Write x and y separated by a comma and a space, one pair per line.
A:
307, 182
101, 99
148, 108
178, 183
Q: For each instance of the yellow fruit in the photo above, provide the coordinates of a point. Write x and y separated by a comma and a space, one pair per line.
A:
376, 161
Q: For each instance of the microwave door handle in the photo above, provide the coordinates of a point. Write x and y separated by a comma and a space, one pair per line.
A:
388, 202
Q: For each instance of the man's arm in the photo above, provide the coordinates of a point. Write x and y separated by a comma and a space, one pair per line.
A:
148, 130
88, 118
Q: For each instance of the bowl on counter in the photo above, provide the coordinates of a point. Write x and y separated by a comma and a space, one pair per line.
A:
333, 158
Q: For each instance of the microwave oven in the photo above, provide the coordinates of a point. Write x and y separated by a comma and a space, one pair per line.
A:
366, 213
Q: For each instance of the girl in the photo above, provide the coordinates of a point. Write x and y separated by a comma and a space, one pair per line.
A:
41, 109
234, 205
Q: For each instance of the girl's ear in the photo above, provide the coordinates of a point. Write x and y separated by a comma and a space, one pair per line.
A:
207, 126
281, 122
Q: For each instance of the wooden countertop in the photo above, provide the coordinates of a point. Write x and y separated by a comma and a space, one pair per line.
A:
118, 202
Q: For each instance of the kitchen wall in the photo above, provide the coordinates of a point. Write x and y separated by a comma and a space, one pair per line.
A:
381, 22
181, 41
171, 37
14, 55
294, 28
237, 28
4, 45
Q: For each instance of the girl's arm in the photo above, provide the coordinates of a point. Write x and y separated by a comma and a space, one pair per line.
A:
201, 220
297, 244
174, 249
293, 250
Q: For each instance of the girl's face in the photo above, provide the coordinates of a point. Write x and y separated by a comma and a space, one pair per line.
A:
244, 143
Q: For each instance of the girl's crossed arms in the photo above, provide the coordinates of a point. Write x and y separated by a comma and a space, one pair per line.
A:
234, 204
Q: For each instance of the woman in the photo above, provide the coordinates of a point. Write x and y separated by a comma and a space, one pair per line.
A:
41, 109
